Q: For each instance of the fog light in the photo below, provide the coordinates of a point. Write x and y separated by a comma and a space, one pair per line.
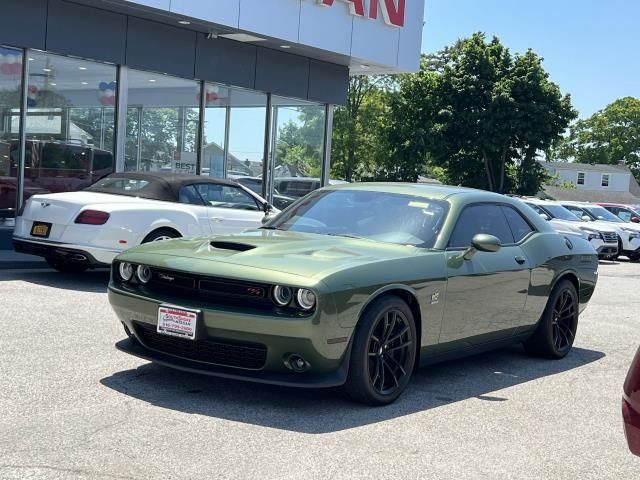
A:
306, 299
297, 363
144, 274
282, 295
126, 271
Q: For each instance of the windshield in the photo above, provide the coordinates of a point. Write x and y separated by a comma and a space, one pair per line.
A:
381, 216
558, 211
602, 214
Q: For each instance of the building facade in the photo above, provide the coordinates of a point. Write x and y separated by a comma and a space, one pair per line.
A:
593, 183
226, 88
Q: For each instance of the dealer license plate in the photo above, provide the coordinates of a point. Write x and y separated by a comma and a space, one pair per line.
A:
178, 322
40, 229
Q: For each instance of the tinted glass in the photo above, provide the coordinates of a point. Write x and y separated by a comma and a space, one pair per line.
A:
519, 226
189, 194
483, 218
537, 209
602, 214
558, 211
577, 211
225, 196
381, 216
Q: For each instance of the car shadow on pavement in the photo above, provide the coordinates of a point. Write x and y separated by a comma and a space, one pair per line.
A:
94, 281
324, 411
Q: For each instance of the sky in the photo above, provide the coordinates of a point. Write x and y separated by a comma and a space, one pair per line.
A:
591, 48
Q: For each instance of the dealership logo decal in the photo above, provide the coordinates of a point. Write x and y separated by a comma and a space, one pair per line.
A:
392, 10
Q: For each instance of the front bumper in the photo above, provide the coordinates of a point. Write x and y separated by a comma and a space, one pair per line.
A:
232, 331
606, 249
632, 246
91, 256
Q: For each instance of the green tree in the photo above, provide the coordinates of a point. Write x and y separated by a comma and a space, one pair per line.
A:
481, 114
611, 135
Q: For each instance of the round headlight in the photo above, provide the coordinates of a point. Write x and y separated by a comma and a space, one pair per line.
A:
126, 271
144, 273
306, 299
282, 295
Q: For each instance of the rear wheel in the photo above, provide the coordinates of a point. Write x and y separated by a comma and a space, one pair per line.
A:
383, 352
160, 235
66, 267
558, 325
634, 257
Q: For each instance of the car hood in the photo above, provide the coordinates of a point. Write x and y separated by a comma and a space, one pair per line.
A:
301, 254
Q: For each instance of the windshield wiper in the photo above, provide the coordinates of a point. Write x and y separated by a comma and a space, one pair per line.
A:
269, 228
343, 235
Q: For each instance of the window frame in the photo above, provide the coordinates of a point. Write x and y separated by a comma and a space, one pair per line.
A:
584, 177
533, 231
608, 175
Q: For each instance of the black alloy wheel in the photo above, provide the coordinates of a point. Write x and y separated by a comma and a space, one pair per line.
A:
383, 354
389, 352
556, 330
564, 320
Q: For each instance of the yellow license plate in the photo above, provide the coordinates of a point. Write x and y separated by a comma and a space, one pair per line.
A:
40, 230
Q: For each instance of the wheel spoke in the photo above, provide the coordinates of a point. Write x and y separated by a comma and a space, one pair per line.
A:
389, 357
398, 347
399, 335
393, 375
391, 327
377, 373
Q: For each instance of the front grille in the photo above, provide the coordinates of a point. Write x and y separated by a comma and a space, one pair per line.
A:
251, 356
218, 291
610, 237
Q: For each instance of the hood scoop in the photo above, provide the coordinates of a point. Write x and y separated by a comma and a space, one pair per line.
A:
236, 247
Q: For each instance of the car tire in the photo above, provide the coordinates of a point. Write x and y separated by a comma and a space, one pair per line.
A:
161, 234
66, 267
634, 257
383, 352
556, 331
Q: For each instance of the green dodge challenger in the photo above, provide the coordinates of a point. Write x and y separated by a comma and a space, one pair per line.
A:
356, 285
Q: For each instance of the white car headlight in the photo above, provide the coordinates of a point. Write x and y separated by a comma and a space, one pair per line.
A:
282, 295
144, 274
306, 299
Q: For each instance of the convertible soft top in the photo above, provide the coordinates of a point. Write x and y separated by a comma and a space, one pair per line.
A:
159, 186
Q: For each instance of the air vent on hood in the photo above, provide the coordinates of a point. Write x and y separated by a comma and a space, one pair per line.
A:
237, 247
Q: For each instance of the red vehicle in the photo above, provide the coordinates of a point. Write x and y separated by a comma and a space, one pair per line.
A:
625, 212
631, 405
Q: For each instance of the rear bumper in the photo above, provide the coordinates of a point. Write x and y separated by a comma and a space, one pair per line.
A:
93, 257
631, 418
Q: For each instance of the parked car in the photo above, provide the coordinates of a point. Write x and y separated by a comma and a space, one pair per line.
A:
604, 239
355, 287
8, 187
74, 231
255, 183
628, 233
625, 212
631, 405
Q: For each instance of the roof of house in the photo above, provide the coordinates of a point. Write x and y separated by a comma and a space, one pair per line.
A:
584, 195
587, 167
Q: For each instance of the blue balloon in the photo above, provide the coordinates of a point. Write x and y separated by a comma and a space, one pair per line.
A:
103, 85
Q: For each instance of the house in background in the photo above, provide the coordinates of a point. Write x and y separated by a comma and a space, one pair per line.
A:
594, 183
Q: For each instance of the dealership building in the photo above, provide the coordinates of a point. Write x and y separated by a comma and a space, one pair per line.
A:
227, 88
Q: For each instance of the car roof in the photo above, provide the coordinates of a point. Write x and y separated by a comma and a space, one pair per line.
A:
433, 191
162, 186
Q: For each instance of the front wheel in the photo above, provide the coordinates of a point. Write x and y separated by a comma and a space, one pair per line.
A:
558, 325
634, 257
66, 267
383, 352
160, 235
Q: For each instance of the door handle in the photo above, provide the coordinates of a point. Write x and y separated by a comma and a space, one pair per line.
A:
520, 259
217, 219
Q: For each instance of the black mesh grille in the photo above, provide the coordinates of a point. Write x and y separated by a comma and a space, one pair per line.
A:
213, 351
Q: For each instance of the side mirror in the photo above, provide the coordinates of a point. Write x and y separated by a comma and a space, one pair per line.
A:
586, 218
545, 216
267, 207
482, 242
635, 219
268, 217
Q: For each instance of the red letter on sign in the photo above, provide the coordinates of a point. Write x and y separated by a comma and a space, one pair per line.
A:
356, 7
392, 16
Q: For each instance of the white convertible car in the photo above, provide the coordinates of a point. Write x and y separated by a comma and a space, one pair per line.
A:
75, 231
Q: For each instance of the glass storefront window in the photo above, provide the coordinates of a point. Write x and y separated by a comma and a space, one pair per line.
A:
69, 124
10, 91
298, 138
162, 123
241, 149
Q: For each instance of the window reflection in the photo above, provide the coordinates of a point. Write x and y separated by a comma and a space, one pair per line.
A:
70, 122
162, 123
297, 147
10, 89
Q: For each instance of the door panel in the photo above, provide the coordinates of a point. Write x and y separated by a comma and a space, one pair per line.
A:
485, 295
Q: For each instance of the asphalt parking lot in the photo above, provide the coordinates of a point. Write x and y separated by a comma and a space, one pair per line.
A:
71, 406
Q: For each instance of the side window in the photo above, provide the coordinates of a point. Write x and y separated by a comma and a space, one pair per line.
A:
226, 196
481, 218
188, 194
623, 214
576, 211
519, 226
537, 209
